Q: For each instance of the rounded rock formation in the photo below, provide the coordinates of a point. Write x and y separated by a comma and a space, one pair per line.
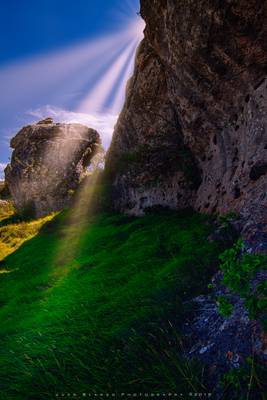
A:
48, 162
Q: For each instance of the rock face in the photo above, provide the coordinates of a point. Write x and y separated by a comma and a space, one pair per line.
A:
222, 343
193, 128
48, 162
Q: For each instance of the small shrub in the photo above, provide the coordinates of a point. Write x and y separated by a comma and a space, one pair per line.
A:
225, 307
240, 270
226, 218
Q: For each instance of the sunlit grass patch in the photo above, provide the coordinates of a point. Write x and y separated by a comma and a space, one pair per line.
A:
14, 231
6, 210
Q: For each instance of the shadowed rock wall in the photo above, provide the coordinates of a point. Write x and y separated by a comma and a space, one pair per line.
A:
193, 128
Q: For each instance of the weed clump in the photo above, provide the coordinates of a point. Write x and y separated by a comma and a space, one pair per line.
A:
242, 275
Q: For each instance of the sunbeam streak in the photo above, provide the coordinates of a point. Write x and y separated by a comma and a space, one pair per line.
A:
73, 231
83, 79
105, 97
117, 84
58, 69
119, 96
97, 98
84, 83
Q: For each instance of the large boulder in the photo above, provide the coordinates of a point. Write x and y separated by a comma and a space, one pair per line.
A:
48, 162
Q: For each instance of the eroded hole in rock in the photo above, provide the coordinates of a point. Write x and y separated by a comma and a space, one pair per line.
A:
237, 192
214, 208
258, 170
235, 158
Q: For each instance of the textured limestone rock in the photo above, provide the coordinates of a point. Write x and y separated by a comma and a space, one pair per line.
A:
196, 105
222, 343
151, 163
48, 162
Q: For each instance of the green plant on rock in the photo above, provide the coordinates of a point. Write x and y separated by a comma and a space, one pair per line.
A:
234, 378
227, 218
240, 270
225, 307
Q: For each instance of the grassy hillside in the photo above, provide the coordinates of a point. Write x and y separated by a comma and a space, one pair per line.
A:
14, 231
97, 307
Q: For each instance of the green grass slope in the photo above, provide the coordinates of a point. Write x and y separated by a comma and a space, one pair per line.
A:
97, 307
14, 230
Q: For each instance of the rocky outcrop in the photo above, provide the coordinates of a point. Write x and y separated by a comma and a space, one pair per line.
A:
193, 128
219, 342
48, 162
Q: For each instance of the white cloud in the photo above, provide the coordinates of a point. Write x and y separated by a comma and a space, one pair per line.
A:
2, 167
103, 123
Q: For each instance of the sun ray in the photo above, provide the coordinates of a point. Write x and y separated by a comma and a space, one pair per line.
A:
118, 97
126, 69
127, 9
55, 69
89, 73
131, 7
97, 97
107, 92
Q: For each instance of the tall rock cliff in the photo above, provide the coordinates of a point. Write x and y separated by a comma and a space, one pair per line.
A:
193, 128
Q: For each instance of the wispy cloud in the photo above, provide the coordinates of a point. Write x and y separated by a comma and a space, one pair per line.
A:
2, 167
102, 122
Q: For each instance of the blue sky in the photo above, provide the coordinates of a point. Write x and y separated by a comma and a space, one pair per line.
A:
68, 59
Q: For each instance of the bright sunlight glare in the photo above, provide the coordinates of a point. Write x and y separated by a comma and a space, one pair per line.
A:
107, 73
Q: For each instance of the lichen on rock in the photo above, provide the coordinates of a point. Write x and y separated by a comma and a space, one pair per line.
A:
48, 162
